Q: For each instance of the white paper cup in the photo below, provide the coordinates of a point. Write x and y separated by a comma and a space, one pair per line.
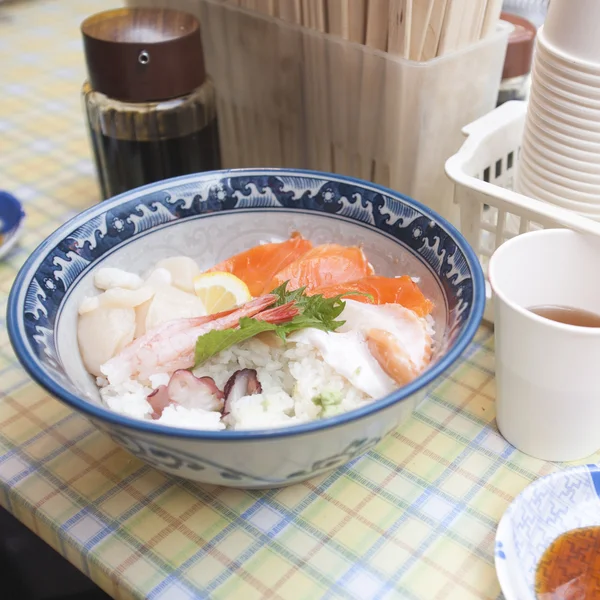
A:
565, 61
547, 373
525, 187
547, 94
559, 123
557, 194
548, 181
571, 26
580, 173
561, 134
587, 94
559, 150
584, 122
584, 192
560, 153
574, 177
579, 105
558, 68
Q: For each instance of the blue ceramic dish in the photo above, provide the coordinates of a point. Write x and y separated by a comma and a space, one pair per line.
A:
546, 509
12, 217
210, 217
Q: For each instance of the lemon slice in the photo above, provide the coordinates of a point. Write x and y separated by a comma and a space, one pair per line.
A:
220, 291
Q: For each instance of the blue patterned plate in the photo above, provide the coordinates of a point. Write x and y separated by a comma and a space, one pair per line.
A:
549, 507
12, 217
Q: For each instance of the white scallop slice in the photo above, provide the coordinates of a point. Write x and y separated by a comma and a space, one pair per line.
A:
103, 333
183, 269
167, 303
107, 278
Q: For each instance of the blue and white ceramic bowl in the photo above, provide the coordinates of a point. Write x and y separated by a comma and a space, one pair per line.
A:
210, 217
549, 507
12, 217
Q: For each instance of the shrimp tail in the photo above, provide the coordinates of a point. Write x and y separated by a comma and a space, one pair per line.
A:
279, 314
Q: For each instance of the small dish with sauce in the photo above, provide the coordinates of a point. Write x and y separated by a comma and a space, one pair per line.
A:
548, 541
12, 217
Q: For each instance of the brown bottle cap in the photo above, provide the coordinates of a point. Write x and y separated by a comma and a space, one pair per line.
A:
143, 54
520, 47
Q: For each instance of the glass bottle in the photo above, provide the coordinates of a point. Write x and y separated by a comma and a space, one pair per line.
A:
150, 109
516, 77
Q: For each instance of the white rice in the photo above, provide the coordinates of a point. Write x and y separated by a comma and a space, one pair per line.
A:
297, 386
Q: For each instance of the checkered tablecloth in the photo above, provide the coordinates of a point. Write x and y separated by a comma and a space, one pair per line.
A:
414, 518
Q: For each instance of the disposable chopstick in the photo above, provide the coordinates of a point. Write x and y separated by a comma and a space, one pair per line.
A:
402, 85
356, 20
408, 7
307, 13
336, 10
337, 56
319, 15
250, 4
473, 23
217, 26
259, 139
491, 18
355, 13
292, 116
458, 17
400, 17
372, 89
316, 87
421, 15
377, 24
433, 30
267, 105
322, 82
290, 10
266, 7
479, 21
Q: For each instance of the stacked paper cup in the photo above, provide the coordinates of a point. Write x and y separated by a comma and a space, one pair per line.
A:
560, 153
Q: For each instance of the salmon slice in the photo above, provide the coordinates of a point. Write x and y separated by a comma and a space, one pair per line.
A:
384, 290
257, 266
324, 265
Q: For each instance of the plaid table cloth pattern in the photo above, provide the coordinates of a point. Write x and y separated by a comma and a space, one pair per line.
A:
414, 518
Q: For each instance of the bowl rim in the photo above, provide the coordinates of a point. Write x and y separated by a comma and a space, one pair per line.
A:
98, 412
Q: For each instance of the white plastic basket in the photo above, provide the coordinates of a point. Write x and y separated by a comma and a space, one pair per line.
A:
483, 171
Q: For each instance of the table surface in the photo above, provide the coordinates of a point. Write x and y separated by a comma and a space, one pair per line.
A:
414, 518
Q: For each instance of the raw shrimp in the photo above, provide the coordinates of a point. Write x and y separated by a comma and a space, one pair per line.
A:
171, 346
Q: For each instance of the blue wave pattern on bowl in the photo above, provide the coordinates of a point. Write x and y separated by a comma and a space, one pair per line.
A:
93, 239
163, 457
549, 507
56, 268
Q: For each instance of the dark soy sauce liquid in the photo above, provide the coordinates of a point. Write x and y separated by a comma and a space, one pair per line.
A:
568, 316
570, 567
126, 164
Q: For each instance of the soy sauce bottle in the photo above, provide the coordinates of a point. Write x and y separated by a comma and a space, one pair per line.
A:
150, 108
